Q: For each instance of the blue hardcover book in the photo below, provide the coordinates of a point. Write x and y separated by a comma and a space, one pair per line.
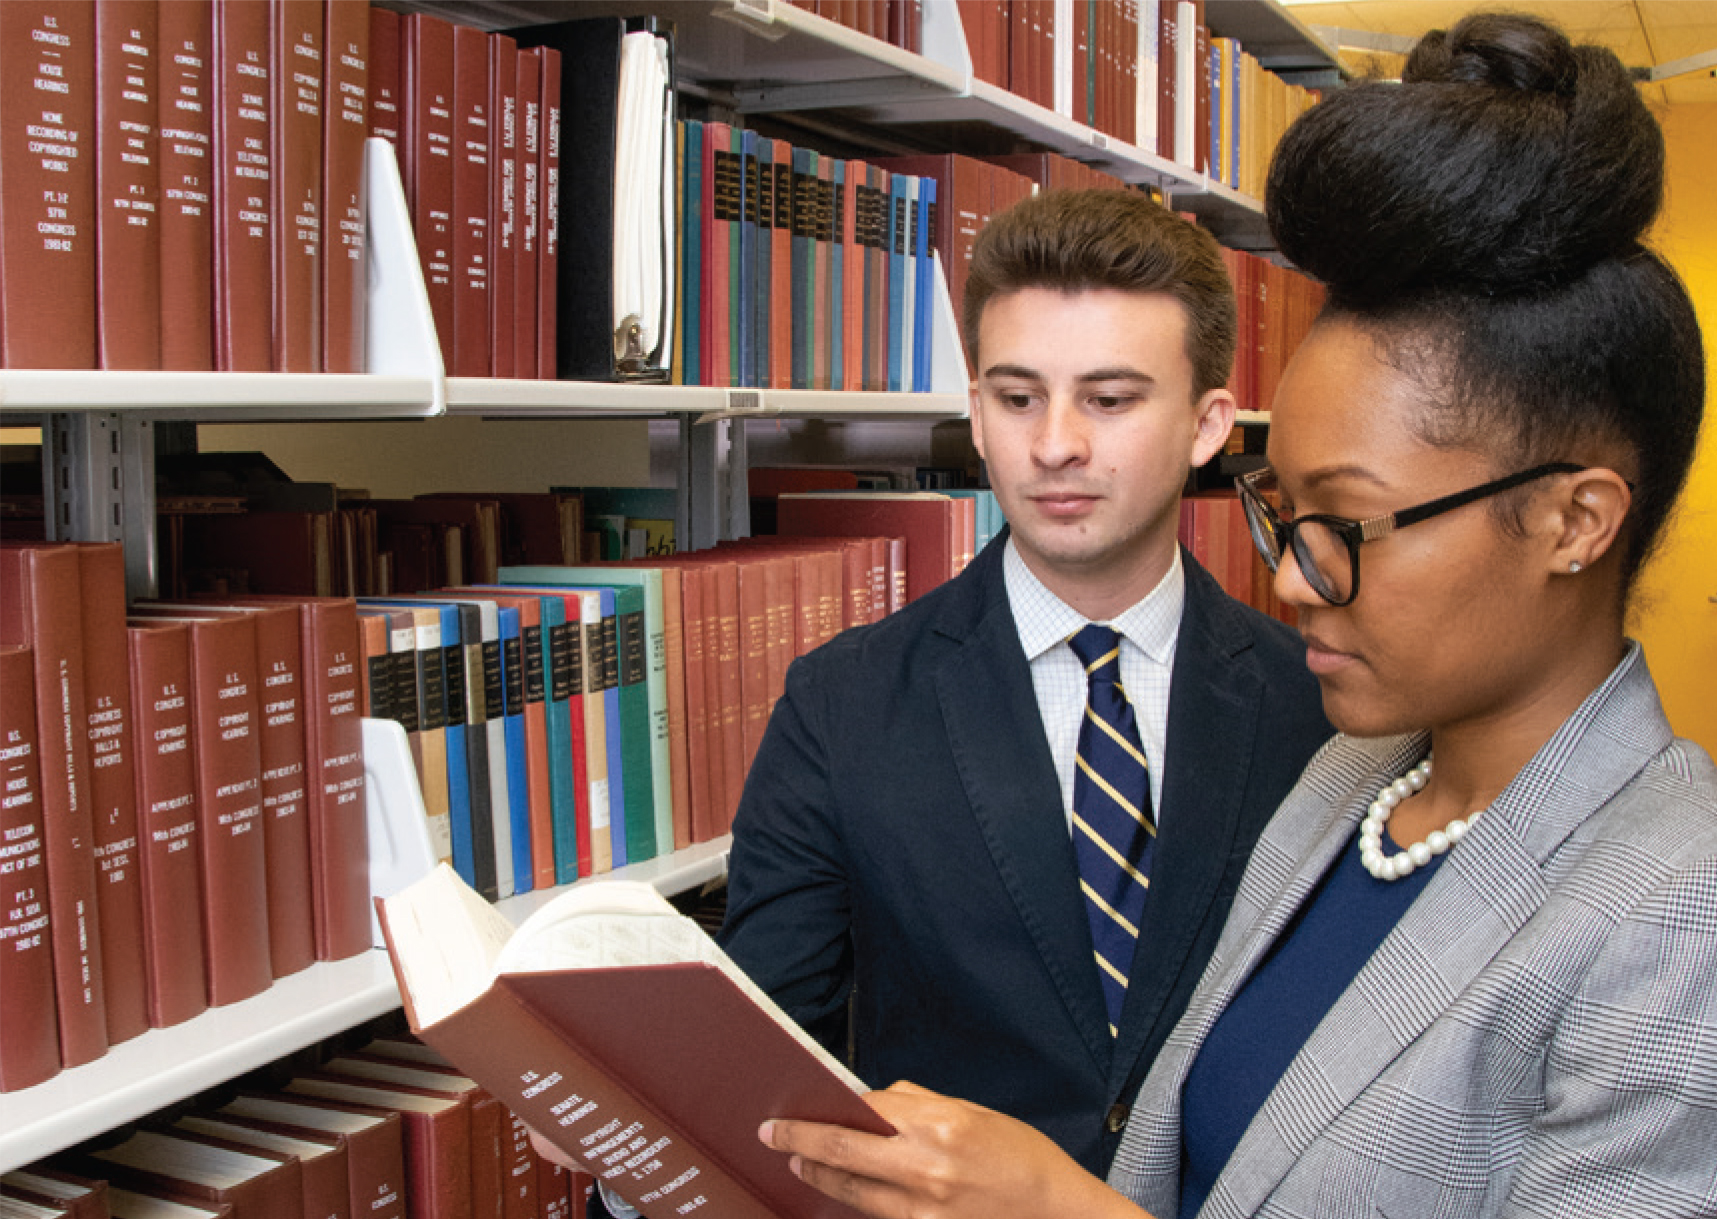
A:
744, 324
1232, 86
691, 268
837, 277
898, 229
513, 730
925, 283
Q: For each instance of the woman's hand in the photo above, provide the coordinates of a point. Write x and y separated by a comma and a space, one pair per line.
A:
947, 1160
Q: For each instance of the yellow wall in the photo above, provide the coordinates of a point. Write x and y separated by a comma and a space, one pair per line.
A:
1676, 612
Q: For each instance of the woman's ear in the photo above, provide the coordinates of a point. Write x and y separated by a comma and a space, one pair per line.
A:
1587, 515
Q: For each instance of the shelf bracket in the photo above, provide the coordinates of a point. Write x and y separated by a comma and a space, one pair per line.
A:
714, 501
98, 481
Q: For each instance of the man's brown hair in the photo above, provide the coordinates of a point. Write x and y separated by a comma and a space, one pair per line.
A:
1075, 240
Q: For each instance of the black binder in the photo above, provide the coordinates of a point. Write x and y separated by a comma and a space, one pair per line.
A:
589, 346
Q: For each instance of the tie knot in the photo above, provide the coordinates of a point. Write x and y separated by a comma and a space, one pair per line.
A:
1098, 648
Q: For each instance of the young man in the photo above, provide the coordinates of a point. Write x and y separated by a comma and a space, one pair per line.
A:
909, 840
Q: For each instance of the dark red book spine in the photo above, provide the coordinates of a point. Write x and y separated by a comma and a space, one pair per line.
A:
40, 607
345, 124
160, 664
48, 197
186, 122
471, 168
225, 715
128, 185
426, 56
503, 203
386, 82
548, 252
113, 787
285, 779
29, 1037
297, 107
525, 326
339, 831
244, 224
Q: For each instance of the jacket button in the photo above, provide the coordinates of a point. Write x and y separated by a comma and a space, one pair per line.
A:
1116, 1120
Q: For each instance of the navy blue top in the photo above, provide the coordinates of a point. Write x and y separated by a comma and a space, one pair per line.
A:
1347, 916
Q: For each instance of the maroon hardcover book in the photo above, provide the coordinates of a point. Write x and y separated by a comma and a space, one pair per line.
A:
281, 741
386, 82
41, 607
372, 1138
334, 747
471, 220
503, 202
113, 787
345, 124
526, 269
322, 1159
48, 197
295, 72
426, 139
548, 216
186, 122
127, 185
244, 223
226, 743
29, 1036
170, 859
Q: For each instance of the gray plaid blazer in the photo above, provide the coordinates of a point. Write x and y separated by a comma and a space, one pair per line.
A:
1537, 1036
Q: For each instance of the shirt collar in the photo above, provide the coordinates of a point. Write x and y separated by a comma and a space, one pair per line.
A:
1045, 621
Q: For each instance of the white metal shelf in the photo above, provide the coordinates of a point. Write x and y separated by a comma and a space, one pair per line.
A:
164, 1066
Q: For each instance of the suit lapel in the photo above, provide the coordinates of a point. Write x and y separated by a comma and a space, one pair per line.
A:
998, 744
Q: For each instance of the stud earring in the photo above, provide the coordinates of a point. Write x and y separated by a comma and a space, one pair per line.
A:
1574, 567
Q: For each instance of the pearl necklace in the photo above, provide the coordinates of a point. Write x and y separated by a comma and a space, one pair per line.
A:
1403, 863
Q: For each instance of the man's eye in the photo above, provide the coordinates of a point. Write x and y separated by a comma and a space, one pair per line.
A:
1113, 402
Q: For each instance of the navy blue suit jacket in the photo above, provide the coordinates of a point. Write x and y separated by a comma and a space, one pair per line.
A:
902, 840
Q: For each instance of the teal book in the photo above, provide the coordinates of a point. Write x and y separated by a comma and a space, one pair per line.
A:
512, 678
804, 264
649, 580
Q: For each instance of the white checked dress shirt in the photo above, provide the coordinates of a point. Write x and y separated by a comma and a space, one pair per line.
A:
1148, 630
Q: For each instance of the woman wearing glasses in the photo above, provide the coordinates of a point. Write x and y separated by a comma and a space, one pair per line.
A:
1472, 968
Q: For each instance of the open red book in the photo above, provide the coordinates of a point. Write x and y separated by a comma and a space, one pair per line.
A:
616, 1028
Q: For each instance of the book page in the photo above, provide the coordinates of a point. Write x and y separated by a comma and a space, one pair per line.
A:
627, 923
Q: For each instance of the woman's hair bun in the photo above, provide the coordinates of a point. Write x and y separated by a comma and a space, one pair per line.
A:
1506, 160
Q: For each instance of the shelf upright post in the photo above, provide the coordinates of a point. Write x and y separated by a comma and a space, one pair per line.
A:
713, 504
98, 485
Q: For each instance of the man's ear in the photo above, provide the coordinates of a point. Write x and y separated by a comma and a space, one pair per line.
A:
1215, 421
975, 409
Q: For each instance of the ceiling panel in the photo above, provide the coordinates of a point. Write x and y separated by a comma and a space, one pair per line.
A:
1644, 33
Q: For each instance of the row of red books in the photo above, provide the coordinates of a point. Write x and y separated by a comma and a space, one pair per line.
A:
897, 22
387, 1131
1148, 72
185, 816
184, 185
477, 123
1277, 306
1213, 527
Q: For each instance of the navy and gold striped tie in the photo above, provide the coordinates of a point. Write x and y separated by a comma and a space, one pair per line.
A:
1113, 829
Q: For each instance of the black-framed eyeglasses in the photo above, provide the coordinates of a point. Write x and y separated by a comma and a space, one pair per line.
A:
1326, 548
